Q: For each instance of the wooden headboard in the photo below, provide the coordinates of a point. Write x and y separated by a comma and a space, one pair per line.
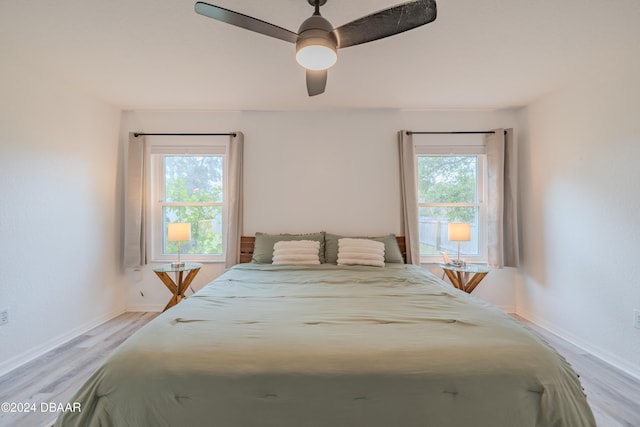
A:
247, 243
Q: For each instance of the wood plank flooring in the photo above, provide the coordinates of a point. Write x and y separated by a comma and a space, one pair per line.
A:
613, 395
57, 375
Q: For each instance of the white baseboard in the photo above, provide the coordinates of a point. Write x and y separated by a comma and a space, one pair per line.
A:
509, 309
29, 355
604, 355
145, 307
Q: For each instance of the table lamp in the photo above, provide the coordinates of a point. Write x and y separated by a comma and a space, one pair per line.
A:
178, 232
459, 232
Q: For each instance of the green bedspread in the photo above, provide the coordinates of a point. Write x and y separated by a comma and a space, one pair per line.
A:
325, 345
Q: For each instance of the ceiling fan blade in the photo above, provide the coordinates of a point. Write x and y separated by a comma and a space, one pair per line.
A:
387, 22
244, 21
316, 81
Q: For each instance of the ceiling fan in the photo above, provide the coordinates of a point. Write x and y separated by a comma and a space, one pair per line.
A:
317, 41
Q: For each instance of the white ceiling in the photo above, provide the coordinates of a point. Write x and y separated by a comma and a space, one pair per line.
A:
160, 54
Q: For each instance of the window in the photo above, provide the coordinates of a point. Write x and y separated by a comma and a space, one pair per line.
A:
451, 189
187, 185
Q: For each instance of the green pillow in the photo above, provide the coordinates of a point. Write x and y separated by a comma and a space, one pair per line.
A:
392, 252
263, 248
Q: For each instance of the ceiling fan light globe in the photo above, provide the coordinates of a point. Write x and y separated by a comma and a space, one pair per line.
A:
316, 49
316, 57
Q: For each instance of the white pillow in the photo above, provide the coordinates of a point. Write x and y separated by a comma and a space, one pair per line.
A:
296, 252
360, 252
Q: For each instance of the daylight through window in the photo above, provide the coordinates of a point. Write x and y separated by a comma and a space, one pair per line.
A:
450, 189
189, 188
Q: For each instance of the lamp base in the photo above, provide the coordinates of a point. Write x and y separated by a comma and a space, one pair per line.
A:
458, 262
177, 264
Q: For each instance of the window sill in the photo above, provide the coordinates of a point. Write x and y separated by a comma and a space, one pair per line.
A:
200, 261
439, 260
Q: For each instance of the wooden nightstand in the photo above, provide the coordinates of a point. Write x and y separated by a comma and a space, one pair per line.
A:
182, 283
461, 278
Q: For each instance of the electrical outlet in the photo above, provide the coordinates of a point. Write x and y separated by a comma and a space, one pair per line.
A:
636, 319
4, 316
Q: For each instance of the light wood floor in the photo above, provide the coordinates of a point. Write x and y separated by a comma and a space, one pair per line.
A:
55, 376
58, 374
613, 395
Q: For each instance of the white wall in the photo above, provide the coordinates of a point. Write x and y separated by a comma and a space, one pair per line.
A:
580, 164
316, 170
58, 222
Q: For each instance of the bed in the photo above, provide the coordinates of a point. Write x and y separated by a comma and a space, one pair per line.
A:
331, 345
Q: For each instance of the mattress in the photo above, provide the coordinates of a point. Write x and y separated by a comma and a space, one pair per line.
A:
327, 345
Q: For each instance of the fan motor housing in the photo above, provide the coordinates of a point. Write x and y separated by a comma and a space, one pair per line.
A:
315, 22
316, 37
316, 33
316, 30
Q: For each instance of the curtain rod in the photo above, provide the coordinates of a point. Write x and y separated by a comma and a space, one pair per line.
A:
449, 133
137, 134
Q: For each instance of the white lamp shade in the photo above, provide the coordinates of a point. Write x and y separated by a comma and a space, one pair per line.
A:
179, 231
459, 232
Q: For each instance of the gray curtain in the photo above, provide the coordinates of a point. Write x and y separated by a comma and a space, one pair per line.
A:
235, 193
503, 242
409, 193
135, 209
135, 203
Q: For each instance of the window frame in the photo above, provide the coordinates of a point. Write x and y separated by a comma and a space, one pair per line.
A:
473, 148
157, 152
